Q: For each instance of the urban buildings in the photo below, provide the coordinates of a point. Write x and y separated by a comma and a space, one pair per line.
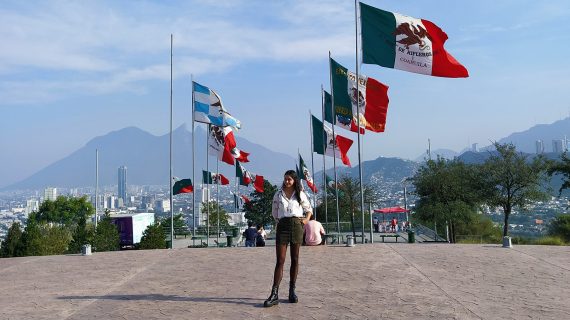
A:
123, 185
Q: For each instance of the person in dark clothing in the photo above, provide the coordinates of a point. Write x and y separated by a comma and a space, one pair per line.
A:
250, 235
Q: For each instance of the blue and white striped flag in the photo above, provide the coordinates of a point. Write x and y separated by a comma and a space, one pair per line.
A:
208, 108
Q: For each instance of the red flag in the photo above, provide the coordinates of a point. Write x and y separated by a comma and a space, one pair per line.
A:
245, 199
258, 184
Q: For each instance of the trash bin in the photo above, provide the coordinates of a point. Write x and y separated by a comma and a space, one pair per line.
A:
230, 241
411, 236
86, 250
507, 242
235, 232
349, 241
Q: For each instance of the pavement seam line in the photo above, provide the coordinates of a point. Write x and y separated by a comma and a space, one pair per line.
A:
435, 284
537, 258
117, 285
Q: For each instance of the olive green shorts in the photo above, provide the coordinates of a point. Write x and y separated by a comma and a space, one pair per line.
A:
289, 230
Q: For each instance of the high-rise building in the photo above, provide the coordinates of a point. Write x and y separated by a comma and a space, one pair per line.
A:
557, 146
50, 193
32, 205
123, 184
539, 146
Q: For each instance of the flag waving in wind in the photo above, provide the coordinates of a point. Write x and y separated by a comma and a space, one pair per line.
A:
373, 100
208, 108
320, 132
397, 41
306, 175
245, 177
214, 178
222, 145
182, 186
339, 116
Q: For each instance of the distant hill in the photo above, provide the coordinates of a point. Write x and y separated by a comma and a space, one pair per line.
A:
375, 171
147, 159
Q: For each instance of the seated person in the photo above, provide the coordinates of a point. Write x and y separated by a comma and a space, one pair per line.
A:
313, 232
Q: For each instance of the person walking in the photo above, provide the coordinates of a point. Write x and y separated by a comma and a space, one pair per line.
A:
291, 209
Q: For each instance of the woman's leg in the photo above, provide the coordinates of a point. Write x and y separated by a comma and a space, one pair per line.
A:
294, 262
281, 251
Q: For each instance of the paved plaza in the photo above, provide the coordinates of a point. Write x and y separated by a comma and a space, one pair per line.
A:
371, 281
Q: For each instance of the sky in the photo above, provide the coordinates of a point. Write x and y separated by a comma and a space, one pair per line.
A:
74, 70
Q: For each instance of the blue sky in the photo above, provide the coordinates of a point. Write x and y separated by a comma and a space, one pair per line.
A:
74, 70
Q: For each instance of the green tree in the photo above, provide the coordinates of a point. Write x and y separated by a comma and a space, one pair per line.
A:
448, 192
153, 237
349, 200
216, 210
179, 223
512, 181
560, 227
13, 245
106, 236
41, 238
259, 208
65, 210
561, 167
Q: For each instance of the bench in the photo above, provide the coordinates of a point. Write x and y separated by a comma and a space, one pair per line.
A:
390, 236
334, 238
360, 236
181, 232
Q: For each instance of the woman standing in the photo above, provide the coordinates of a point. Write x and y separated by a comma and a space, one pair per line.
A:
291, 210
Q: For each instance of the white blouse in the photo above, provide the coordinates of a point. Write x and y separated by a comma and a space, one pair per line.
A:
284, 207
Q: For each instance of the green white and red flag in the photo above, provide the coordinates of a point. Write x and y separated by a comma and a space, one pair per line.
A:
222, 144
324, 142
245, 177
214, 178
182, 186
258, 183
393, 40
373, 101
306, 175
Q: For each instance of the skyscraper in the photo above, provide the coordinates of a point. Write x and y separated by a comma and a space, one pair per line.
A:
123, 183
539, 147
50, 193
557, 146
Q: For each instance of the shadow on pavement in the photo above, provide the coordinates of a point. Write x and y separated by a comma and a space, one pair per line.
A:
162, 297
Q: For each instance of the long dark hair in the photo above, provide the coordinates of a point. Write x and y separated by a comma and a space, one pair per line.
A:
297, 186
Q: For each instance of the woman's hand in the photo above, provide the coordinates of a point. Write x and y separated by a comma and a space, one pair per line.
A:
304, 221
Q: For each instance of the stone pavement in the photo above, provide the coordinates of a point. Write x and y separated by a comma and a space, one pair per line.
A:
372, 281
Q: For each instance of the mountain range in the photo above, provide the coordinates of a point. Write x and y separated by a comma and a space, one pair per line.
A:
146, 157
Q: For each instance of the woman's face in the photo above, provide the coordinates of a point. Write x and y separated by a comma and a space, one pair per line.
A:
288, 181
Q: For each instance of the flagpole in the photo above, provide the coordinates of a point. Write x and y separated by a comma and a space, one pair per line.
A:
170, 180
193, 166
218, 197
324, 168
358, 117
96, 186
208, 188
334, 152
313, 164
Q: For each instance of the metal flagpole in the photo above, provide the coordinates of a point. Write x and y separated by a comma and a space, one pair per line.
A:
171, 202
218, 197
208, 189
334, 152
357, 80
324, 168
313, 164
96, 186
193, 167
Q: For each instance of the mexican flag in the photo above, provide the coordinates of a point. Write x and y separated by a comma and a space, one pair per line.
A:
214, 178
222, 145
337, 117
306, 175
245, 177
397, 41
324, 142
182, 186
258, 184
331, 185
373, 99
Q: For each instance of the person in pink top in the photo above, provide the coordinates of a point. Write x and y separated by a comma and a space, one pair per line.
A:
313, 232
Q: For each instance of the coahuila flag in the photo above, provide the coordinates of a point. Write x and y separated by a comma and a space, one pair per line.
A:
373, 101
182, 186
306, 174
338, 118
222, 144
245, 177
396, 41
208, 108
324, 142
214, 178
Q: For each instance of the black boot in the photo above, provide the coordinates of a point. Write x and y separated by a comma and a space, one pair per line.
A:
292, 296
273, 298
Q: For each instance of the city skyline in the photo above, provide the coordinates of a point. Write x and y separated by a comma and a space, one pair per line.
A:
75, 71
